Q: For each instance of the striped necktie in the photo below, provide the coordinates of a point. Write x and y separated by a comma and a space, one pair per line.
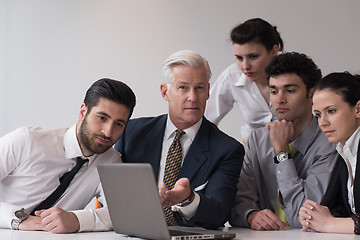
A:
172, 170
278, 210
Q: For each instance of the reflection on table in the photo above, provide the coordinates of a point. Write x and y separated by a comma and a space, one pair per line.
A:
241, 233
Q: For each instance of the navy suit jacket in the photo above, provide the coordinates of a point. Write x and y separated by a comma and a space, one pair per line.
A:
214, 159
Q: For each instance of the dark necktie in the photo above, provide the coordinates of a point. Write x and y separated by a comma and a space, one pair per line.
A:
65, 181
172, 170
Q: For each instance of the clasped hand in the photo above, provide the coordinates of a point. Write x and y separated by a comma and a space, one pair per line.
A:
55, 220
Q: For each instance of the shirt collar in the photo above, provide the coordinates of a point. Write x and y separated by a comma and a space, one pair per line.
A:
302, 142
72, 147
241, 80
352, 143
190, 132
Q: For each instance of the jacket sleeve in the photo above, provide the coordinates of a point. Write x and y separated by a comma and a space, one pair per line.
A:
217, 197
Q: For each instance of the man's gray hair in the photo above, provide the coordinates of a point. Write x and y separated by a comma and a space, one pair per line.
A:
187, 58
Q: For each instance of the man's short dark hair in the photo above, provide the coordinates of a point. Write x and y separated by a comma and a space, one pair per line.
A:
110, 89
298, 63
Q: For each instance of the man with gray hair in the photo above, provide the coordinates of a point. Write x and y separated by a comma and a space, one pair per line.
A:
196, 165
199, 189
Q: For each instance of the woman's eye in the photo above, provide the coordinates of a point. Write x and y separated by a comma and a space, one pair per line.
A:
330, 111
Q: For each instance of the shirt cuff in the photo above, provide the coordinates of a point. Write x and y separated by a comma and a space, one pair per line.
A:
188, 211
94, 220
284, 171
7, 214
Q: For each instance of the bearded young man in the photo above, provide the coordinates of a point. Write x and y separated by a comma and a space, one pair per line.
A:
34, 161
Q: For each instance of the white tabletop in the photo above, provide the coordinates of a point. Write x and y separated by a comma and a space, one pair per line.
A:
241, 233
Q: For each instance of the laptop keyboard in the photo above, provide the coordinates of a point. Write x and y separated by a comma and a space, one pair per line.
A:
181, 233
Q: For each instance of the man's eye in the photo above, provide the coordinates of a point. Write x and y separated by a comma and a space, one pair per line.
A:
254, 56
119, 124
273, 92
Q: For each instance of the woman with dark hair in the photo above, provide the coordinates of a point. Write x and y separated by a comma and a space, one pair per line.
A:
337, 106
245, 82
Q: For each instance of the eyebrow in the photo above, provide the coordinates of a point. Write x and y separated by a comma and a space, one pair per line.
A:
327, 107
330, 106
285, 86
248, 54
107, 115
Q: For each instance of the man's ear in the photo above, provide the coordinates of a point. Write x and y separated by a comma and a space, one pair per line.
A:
164, 91
82, 113
208, 91
310, 95
357, 109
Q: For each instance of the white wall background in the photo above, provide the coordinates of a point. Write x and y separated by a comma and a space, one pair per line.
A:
52, 50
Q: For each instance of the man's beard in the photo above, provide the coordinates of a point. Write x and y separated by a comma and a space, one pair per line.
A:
87, 140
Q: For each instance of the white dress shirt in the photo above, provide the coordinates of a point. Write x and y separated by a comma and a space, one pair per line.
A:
349, 153
231, 87
32, 160
185, 141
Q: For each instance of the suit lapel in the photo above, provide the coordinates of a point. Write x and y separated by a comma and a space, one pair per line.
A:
196, 155
153, 145
344, 175
357, 183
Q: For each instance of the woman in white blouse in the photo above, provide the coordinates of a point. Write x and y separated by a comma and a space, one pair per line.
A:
245, 82
337, 107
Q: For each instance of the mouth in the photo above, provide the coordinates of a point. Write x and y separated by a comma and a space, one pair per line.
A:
328, 132
104, 141
282, 110
249, 74
192, 108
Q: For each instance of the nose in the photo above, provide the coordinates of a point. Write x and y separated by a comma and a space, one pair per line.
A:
280, 97
322, 120
192, 97
246, 64
107, 129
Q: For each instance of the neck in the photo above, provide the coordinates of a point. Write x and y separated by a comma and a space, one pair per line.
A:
262, 83
300, 125
181, 125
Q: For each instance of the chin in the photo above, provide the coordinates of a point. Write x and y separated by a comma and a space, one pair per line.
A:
333, 140
192, 121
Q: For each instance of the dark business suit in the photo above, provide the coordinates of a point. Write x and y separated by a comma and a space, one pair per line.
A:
214, 160
336, 197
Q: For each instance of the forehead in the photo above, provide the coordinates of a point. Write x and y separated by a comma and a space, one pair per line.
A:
327, 97
189, 75
247, 48
111, 108
286, 80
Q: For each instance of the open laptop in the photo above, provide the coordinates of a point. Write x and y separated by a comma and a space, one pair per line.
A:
134, 204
